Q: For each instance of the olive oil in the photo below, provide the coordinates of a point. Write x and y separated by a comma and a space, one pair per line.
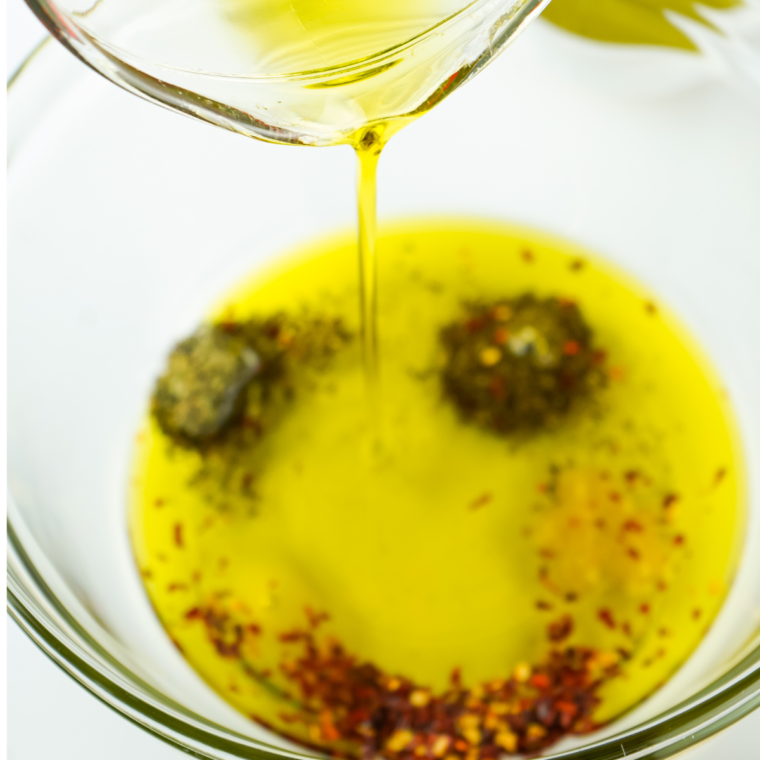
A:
450, 546
312, 72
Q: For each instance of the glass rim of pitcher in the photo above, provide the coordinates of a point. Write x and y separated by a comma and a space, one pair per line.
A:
79, 40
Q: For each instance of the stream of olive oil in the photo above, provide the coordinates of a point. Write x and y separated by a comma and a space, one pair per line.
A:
455, 547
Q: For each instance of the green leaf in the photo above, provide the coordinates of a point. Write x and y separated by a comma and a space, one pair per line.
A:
630, 21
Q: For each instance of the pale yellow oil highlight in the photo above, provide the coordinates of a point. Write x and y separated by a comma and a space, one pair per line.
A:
417, 577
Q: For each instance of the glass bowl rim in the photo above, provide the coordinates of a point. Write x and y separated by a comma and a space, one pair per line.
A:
59, 635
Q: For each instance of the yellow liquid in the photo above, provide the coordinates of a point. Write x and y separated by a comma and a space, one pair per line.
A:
433, 554
316, 72
307, 35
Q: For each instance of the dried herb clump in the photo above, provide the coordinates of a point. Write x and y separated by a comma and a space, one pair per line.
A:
237, 375
201, 390
518, 364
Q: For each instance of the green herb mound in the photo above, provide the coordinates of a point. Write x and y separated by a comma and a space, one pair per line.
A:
518, 364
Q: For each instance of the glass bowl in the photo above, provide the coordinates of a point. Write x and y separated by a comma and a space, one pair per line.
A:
126, 223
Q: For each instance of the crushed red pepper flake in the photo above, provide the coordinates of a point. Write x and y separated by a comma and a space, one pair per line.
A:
544, 605
315, 618
339, 699
355, 702
481, 501
178, 539
669, 500
679, 539
560, 629
696, 614
605, 615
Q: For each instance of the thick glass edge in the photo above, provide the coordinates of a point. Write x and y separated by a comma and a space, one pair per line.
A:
167, 95
713, 709
47, 9
718, 706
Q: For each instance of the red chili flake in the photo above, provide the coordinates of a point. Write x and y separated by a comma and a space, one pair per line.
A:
344, 699
679, 539
598, 357
644, 609
194, 614
571, 596
614, 496
475, 324
542, 605
650, 307
315, 618
481, 501
600, 523
577, 264
251, 423
669, 500
176, 587
247, 481
663, 633
571, 348
178, 535
624, 653
605, 615
560, 629
500, 336
626, 628
254, 629
497, 388
633, 526
720, 474
632, 476
527, 256
696, 614
634, 554
540, 681
291, 637
546, 553
159, 503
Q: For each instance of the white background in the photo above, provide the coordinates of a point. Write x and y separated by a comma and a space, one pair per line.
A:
51, 716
